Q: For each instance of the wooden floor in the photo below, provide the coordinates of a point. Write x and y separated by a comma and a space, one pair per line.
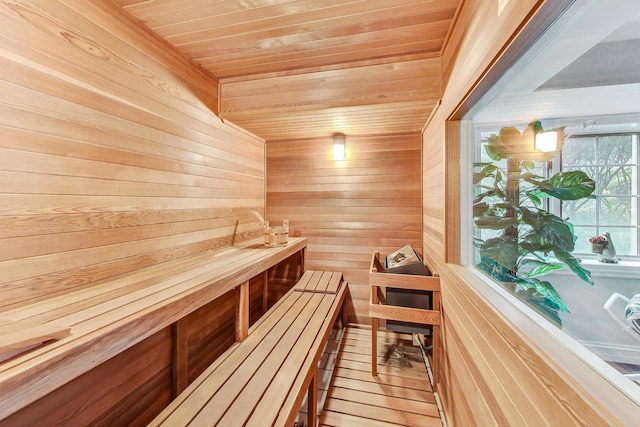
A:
401, 395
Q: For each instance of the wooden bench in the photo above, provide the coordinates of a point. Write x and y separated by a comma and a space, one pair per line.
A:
262, 381
99, 322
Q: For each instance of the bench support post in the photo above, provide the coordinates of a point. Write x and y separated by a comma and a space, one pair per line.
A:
242, 311
180, 356
312, 401
374, 334
265, 291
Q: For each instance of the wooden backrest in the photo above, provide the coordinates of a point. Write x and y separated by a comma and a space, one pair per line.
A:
112, 157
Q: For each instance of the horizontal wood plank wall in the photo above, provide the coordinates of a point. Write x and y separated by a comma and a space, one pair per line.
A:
500, 367
210, 331
281, 278
349, 209
128, 390
112, 159
111, 155
393, 97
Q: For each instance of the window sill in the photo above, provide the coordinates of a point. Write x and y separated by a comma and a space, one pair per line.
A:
623, 269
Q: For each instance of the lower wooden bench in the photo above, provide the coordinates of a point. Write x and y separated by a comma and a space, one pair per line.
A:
262, 380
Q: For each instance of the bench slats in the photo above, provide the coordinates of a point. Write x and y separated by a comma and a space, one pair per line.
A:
115, 314
284, 358
292, 404
262, 381
334, 283
221, 388
303, 283
319, 281
229, 361
15, 336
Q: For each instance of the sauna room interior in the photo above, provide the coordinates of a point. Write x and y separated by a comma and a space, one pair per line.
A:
181, 245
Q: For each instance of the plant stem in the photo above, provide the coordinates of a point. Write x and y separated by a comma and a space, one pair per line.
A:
513, 195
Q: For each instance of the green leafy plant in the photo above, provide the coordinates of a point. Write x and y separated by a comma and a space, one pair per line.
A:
526, 241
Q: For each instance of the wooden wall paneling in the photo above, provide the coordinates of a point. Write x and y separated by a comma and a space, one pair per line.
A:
129, 389
258, 296
283, 277
347, 210
197, 80
500, 367
434, 190
393, 97
239, 39
452, 191
116, 66
112, 159
466, 404
524, 374
211, 332
111, 156
465, 57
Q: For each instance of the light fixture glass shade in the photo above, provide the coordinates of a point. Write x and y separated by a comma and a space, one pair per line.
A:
546, 142
339, 150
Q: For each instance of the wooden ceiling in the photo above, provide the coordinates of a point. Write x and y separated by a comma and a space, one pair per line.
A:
308, 68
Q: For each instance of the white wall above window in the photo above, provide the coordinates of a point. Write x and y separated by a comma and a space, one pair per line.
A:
587, 32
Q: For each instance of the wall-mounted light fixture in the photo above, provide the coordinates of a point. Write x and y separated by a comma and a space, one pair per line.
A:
339, 149
546, 142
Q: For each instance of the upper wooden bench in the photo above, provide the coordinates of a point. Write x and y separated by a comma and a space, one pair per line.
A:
262, 380
113, 315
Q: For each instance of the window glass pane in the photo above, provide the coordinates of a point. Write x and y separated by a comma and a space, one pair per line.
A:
615, 180
579, 152
580, 212
612, 161
615, 150
583, 235
623, 240
616, 211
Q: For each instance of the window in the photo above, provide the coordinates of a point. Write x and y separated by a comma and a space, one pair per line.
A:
612, 161
575, 76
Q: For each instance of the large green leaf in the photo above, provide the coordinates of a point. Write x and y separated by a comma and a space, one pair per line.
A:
494, 222
574, 265
572, 185
501, 250
495, 150
540, 268
552, 228
544, 289
486, 172
539, 295
531, 195
533, 242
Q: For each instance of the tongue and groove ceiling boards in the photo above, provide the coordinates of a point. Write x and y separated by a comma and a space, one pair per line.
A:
308, 68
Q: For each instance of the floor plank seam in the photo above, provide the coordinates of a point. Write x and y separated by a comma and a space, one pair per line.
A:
443, 420
401, 395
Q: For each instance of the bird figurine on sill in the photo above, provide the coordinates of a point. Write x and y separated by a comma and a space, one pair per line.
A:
608, 254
